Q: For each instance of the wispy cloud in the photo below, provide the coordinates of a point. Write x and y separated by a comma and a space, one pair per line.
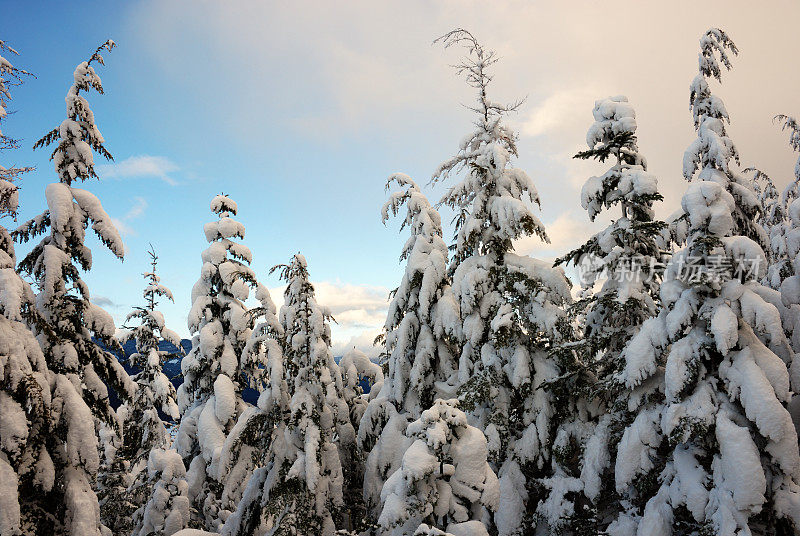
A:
103, 301
359, 78
561, 110
138, 208
123, 224
381, 87
141, 166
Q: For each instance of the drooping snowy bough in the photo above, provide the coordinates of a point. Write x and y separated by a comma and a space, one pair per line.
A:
69, 323
717, 453
511, 306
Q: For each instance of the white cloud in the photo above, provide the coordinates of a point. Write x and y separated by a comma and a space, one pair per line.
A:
366, 70
342, 297
363, 341
142, 166
361, 318
123, 224
137, 209
358, 67
103, 301
564, 109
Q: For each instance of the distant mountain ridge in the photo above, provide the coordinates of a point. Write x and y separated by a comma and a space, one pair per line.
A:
172, 368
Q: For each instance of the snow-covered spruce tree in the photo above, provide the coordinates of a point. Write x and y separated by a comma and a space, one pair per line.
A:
444, 479
69, 323
24, 388
792, 190
772, 217
785, 266
144, 430
624, 259
718, 453
300, 488
124, 485
356, 367
776, 219
168, 509
214, 371
713, 148
420, 357
247, 446
784, 269
511, 306
768, 196
626, 251
24, 377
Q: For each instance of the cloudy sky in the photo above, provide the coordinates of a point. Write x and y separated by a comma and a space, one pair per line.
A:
300, 110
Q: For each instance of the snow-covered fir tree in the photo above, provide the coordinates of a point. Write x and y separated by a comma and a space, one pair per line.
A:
247, 446
784, 269
167, 509
444, 479
716, 452
511, 306
625, 254
214, 371
70, 324
144, 430
792, 190
781, 226
768, 196
775, 217
625, 260
259, 429
25, 407
355, 368
300, 488
24, 376
420, 358
10, 76
772, 217
124, 482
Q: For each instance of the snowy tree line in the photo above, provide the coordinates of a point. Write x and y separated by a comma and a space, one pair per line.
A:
656, 399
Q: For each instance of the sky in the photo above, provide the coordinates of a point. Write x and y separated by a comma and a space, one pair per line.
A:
300, 111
